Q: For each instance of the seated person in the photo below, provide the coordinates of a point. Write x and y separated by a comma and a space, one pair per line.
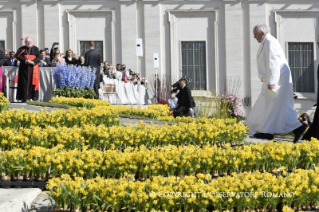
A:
57, 58
111, 72
81, 61
12, 61
44, 61
106, 69
70, 58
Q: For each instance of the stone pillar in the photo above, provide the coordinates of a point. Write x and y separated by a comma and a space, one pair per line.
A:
51, 23
29, 22
129, 34
152, 43
234, 47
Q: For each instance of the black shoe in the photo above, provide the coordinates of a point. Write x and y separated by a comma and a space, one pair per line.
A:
24, 101
264, 136
299, 132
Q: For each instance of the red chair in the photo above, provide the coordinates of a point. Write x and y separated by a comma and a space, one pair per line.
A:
15, 87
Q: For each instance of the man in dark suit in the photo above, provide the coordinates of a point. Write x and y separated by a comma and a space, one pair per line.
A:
12, 61
2, 58
44, 61
94, 60
185, 100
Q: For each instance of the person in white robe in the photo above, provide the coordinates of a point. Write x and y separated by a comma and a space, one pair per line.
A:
273, 111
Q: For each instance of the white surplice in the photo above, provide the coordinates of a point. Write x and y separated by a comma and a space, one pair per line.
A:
273, 111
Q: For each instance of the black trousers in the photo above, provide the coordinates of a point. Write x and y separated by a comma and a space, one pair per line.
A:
181, 111
97, 84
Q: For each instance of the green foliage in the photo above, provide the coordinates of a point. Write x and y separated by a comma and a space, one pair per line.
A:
49, 104
75, 92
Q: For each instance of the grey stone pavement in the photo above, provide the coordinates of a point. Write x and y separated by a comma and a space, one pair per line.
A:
39, 204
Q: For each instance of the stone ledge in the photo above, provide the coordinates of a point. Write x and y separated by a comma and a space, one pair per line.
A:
13, 200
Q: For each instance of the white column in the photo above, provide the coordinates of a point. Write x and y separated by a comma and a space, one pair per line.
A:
51, 23
257, 15
29, 24
152, 41
234, 46
129, 34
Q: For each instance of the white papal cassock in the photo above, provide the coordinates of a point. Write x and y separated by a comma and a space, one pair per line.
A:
273, 111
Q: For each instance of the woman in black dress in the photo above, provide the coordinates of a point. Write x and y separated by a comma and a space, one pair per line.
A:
313, 130
69, 58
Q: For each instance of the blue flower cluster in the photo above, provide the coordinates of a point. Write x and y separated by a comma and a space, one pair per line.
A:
73, 77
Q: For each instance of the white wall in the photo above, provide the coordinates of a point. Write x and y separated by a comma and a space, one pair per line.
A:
225, 25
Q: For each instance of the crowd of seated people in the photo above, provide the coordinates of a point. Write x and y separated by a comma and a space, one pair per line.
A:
54, 56
120, 72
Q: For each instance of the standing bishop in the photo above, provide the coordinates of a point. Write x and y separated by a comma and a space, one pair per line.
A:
28, 82
273, 112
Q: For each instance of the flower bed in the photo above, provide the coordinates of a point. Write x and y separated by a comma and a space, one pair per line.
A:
257, 191
102, 137
73, 81
73, 117
4, 103
151, 111
80, 102
164, 161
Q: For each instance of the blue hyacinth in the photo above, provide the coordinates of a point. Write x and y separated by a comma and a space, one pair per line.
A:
73, 77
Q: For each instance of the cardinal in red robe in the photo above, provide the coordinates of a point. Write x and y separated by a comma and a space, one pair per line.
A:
28, 84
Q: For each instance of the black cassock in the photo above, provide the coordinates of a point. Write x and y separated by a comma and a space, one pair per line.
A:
313, 130
26, 90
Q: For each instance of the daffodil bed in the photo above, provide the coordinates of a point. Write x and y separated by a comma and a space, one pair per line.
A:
80, 102
244, 192
103, 137
15, 119
103, 160
4, 103
163, 161
151, 111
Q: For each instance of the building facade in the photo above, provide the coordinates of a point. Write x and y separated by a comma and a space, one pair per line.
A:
210, 41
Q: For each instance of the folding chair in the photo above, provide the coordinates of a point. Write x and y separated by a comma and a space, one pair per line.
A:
109, 89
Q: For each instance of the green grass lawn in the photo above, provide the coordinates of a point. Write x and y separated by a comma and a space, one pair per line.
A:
49, 104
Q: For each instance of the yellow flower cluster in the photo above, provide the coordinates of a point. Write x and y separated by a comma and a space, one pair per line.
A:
72, 117
257, 191
79, 102
158, 112
151, 111
146, 112
167, 160
4, 103
103, 137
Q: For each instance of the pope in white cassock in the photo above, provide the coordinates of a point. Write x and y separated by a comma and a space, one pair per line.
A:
273, 112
